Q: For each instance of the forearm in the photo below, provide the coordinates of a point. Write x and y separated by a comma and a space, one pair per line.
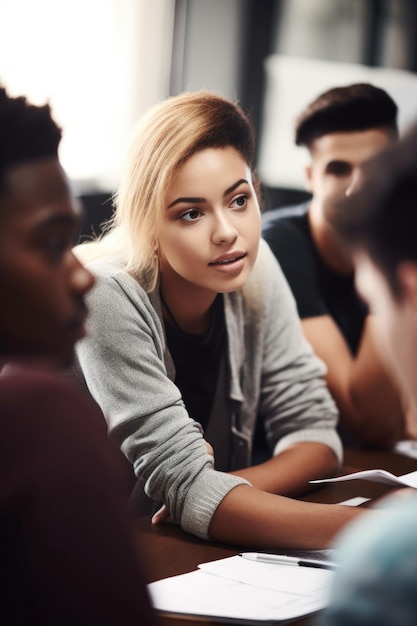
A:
410, 417
289, 472
369, 405
247, 516
375, 400
371, 413
379, 422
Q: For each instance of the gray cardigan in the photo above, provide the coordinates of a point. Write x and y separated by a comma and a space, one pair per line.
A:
273, 374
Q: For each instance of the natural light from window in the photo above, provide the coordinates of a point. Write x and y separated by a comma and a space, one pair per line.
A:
99, 64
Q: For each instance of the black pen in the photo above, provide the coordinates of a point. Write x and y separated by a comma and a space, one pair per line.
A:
283, 559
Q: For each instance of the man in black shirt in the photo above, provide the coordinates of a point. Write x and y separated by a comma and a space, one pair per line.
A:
342, 129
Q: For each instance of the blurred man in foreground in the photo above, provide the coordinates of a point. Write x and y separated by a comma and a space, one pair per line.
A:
66, 554
376, 584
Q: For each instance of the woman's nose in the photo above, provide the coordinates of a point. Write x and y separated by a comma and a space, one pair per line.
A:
224, 231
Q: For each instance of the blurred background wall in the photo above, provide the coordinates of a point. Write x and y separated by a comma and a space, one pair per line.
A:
102, 63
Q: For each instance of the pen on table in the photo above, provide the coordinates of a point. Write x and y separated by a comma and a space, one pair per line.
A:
283, 559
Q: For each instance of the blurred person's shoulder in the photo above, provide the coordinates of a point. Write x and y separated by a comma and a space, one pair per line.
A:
385, 538
376, 582
37, 396
282, 216
287, 232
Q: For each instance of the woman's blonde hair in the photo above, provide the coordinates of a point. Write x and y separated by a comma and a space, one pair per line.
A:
168, 135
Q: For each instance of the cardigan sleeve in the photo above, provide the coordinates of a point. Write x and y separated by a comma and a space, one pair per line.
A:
294, 400
122, 361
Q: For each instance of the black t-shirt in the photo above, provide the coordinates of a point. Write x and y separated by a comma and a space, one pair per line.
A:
317, 289
197, 360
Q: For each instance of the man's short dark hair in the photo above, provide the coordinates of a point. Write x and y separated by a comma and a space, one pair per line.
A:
381, 218
27, 133
357, 107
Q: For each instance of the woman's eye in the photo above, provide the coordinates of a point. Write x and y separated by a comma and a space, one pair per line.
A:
240, 202
191, 216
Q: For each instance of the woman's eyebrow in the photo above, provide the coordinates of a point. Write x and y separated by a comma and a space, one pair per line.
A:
200, 200
190, 200
235, 186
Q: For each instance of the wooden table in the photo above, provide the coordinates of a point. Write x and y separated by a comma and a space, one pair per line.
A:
166, 550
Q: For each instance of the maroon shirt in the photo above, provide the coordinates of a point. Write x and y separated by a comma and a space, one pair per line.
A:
66, 556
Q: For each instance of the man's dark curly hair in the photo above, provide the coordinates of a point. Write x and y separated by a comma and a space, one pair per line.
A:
27, 133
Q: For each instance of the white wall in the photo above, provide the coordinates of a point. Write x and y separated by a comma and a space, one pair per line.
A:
211, 52
99, 63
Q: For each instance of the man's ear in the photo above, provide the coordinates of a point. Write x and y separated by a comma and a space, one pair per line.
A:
407, 278
308, 174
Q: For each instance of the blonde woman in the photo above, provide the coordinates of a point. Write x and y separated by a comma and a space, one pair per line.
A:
194, 336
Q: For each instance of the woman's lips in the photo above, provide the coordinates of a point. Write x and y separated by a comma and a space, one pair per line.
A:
229, 262
230, 257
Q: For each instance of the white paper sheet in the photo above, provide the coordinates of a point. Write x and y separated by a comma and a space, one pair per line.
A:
238, 589
288, 578
354, 501
377, 476
407, 447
